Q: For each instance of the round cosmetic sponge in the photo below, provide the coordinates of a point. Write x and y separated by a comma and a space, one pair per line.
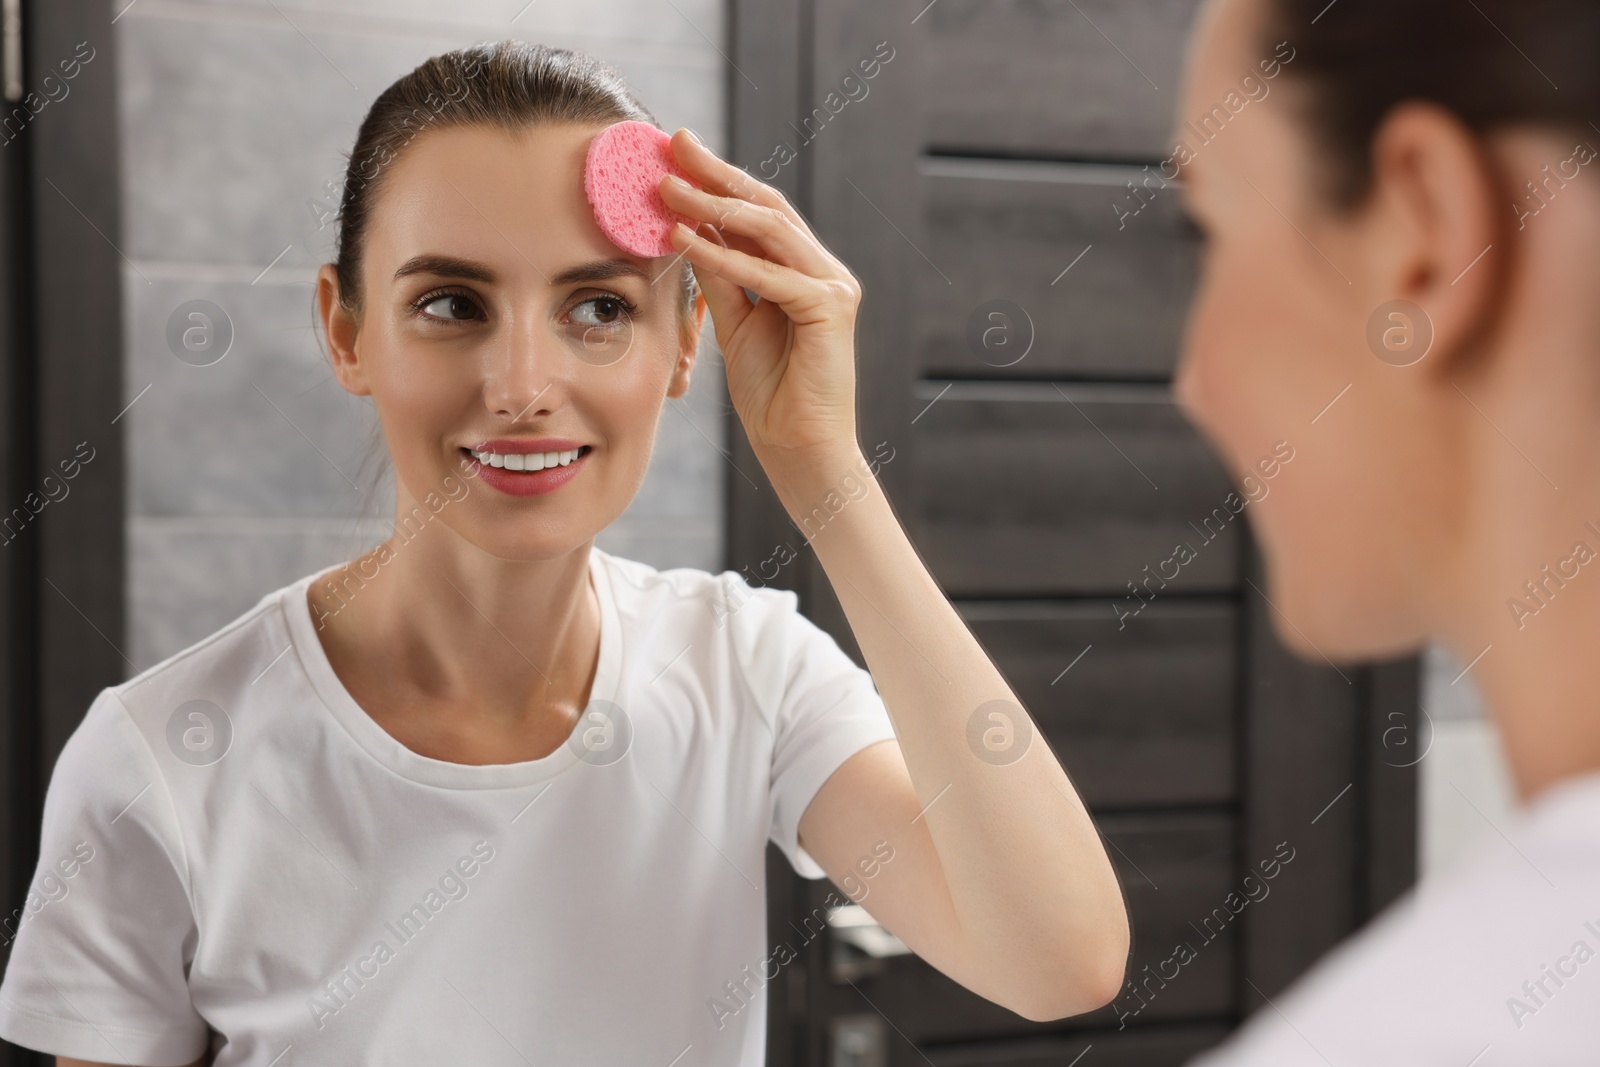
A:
626, 162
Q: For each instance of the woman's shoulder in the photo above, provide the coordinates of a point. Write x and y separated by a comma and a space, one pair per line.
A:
1456, 963
772, 646
227, 661
719, 595
760, 629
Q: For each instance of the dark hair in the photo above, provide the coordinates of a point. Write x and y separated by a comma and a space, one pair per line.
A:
1491, 62
510, 84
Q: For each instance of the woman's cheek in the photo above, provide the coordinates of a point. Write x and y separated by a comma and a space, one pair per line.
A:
419, 402
1201, 385
1255, 337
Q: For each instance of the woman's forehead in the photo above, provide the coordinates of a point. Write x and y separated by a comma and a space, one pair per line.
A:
493, 195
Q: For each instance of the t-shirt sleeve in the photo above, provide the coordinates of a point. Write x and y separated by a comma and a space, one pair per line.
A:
823, 709
100, 949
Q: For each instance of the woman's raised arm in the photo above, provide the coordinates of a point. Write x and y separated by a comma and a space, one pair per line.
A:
999, 878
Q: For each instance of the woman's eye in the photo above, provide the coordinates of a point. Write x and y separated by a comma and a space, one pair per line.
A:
450, 307
600, 311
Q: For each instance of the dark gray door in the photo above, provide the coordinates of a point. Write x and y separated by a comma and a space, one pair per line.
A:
61, 392
985, 167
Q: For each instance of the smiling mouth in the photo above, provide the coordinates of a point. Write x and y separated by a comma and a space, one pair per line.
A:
528, 461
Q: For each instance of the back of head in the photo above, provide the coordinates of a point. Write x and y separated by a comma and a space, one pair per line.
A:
1491, 62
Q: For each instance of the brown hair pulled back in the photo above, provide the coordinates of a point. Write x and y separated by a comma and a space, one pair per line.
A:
1491, 62
510, 84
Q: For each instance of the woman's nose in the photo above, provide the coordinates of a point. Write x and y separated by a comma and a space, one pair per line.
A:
521, 375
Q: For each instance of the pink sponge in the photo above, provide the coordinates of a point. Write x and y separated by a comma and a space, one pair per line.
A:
626, 162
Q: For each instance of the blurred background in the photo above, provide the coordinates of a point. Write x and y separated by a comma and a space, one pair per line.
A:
990, 169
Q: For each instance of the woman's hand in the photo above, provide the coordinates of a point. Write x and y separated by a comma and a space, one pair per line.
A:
790, 356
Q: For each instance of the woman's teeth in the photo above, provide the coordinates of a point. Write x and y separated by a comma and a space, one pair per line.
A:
526, 461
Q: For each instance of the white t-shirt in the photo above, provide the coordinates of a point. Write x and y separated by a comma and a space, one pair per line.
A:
1494, 964
285, 873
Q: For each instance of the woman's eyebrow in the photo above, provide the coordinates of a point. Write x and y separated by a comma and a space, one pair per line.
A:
599, 271
448, 266
454, 267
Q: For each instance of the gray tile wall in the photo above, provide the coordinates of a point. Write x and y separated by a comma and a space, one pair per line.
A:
235, 115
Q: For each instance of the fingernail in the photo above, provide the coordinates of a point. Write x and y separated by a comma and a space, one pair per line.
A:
677, 181
696, 136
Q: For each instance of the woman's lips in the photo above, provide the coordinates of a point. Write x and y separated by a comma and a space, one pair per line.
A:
550, 477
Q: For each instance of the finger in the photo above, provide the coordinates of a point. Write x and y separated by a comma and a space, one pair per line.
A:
720, 177
801, 296
727, 300
773, 232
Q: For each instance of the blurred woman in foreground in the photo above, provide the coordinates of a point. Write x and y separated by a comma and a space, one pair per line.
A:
1400, 278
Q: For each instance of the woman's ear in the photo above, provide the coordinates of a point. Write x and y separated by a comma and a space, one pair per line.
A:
688, 350
1436, 222
340, 327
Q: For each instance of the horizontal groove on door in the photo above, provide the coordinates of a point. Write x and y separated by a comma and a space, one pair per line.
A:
1141, 715
1029, 489
1052, 391
1154, 1046
1049, 602
1116, 173
1096, 77
1175, 869
1064, 269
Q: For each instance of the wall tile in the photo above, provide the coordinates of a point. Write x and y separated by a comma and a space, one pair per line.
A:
692, 24
264, 431
190, 577
236, 128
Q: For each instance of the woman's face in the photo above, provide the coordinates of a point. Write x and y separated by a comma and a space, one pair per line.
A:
498, 318
1276, 351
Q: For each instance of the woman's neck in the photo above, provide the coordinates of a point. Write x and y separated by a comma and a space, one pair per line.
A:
431, 622
1527, 614
1540, 685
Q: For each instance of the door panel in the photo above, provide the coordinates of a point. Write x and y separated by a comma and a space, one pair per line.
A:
1091, 78
1177, 870
1100, 272
1164, 1048
1141, 715
1044, 489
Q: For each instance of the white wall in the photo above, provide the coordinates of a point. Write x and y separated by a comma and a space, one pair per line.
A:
1465, 788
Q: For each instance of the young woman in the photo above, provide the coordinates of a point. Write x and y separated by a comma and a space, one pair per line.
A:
489, 795
1400, 277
